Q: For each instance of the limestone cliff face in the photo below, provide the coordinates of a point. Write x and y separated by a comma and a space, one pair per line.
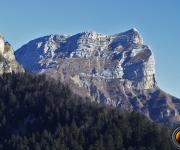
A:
1, 44
122, 56
8, 62
118, 70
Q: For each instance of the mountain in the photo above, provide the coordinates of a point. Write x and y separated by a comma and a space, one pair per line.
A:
118, 70
8, 62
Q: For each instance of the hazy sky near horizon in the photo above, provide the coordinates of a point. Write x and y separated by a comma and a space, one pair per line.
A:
157, 20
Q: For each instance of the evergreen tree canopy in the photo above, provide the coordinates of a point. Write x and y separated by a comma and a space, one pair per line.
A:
40, 114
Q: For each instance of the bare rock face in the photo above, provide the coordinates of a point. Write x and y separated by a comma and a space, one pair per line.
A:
118, 70
8, 62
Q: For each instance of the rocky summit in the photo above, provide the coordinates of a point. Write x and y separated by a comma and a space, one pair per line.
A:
118, 70
8, 62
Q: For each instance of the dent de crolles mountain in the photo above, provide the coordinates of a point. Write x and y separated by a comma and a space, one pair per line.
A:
118, 70
8, 62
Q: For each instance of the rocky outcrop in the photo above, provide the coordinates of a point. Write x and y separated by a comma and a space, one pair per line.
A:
8, 62
118, 70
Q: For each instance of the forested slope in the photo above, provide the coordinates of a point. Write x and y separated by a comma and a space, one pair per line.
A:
39, 114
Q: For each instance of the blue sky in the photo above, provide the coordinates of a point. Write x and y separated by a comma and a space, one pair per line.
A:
157, 20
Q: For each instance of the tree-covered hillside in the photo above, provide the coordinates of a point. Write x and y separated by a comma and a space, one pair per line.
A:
40, 114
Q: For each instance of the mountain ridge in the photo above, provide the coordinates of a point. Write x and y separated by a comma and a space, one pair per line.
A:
117, 70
